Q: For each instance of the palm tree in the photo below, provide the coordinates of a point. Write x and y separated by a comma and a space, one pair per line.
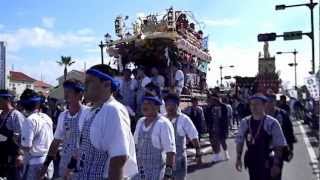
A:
65, 61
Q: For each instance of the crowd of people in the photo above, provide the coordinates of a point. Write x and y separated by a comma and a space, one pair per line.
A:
137, 130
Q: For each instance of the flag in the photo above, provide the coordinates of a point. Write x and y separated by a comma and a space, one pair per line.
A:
313, 87
203, 66
205, 42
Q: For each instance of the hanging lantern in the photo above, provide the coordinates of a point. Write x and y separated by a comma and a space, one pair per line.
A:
119, 25
136, 28
171, 20
107, 38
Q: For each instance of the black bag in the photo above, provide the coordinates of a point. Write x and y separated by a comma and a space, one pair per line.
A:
287, 154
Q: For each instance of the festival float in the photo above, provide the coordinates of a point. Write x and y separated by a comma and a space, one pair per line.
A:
174, 38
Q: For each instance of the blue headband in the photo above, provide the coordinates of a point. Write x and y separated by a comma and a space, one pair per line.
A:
114, 83
271, 98
258, 97
6, 95
174, 100
35, 99
156, 100
74, 86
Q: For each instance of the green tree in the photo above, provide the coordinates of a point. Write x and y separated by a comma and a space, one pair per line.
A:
65, 61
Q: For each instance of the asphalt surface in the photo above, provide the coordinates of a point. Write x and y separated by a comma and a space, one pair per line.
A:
300, 168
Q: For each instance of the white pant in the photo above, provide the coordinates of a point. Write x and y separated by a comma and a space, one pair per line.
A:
32, 171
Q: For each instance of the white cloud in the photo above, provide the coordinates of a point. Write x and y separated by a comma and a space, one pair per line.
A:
55, 70
85, 31
287, 72
22, 12
93, 50
226, 22
48, 22
87, 62
13, 58
244, 60
141, 15
42, 68
269, 26
40, 37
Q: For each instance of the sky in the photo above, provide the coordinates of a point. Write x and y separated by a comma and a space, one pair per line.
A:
38, 33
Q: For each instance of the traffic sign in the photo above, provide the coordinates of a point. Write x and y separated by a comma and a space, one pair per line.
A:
293, 35
267, 37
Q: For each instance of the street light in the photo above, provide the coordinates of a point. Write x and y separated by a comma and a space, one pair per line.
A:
221, 77
102, 45
295, 52
310, 5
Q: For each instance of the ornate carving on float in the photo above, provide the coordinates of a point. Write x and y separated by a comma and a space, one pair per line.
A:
161, 41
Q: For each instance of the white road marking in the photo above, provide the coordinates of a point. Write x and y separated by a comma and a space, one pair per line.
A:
311, 152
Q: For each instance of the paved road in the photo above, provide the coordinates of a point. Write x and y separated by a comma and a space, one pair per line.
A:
300, 168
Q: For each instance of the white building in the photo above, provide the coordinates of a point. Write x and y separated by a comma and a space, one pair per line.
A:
19, 82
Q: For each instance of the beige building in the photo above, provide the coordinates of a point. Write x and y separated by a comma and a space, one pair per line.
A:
42, 87
58, 91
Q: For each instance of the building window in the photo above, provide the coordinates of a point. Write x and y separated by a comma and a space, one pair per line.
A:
28, 86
